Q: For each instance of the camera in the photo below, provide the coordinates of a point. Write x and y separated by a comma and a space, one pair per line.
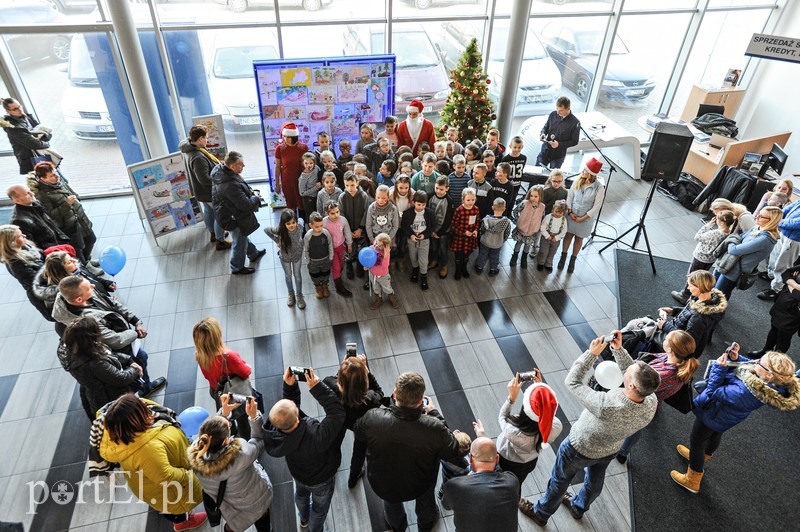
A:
237, 398
351, 350
731, 348
299, 372
528, 376
609, 338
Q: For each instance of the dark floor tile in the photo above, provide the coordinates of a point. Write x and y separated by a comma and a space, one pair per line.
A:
271, 388
276, 468
582, 333
456, 410
6, 387
282, 509
425, 330
178, 378
345, 333
56, 516
497, 318
567, 312
516, 353
157, 523
441, 370
268, 356
73, 443
179, 401
374, 508
74, 402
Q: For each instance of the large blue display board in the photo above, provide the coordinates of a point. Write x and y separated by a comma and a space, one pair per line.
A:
331, 95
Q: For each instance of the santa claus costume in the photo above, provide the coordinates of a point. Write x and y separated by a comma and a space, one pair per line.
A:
413, 131
289, 165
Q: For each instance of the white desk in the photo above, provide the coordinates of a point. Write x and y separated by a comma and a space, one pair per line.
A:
619, 145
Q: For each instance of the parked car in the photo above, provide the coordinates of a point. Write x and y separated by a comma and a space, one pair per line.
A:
425, 4
74, 6
83, 105
240, 6
421, 73
32, 47
229, 68
539, 81
575, 51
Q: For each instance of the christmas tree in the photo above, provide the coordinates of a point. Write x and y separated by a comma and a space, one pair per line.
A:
469, 107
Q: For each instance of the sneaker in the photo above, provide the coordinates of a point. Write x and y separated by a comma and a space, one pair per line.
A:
303, 524
194, 521
93, 268
155, 385
290, 300
767, 295
679, 296
221, 245
764, 275
260, 253
492, 273
574, 512
301, 303
244, 271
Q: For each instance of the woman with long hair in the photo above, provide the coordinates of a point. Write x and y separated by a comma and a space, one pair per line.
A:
151, 452
218, 457
57, 266
23, 261
359, 391
210, 351
675, 366
584, 200
730, 396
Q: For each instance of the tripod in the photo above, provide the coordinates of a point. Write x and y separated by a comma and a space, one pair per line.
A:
640, 229
611, 170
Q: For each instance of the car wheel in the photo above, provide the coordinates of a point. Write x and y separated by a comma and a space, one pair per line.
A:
238, 6
312, 5
582, 87
59, 48
423, 4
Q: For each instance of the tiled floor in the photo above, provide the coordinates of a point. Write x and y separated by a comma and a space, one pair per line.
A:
466, 338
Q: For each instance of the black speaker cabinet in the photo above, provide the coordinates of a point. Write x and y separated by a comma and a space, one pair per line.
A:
668, 150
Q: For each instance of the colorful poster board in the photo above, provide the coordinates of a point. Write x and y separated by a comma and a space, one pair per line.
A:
162, 192
331, 95
217, 144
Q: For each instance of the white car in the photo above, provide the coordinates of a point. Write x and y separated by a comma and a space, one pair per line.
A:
240, 6
83, 105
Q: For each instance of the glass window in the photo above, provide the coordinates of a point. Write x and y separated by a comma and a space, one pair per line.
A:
559, 6
420, 9
328, 11
720, 46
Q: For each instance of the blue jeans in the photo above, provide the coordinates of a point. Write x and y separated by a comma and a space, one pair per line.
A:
211, 221
424, 507
568, 463
724, 284
288, 269
241, 247
492, 255
313, 502
554, 163
629, 442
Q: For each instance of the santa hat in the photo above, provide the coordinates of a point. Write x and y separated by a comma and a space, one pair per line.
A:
415, 103
540, 404
289, 129
593, 166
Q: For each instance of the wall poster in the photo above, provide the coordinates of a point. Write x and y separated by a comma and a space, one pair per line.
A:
216, 144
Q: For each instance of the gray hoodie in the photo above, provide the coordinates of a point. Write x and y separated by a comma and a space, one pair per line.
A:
495, 231
384, 219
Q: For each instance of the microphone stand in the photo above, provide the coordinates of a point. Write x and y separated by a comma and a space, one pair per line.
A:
611, 170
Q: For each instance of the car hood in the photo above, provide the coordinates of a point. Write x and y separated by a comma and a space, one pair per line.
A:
236, 93
533, 72
421, 80
620, 67
87, 99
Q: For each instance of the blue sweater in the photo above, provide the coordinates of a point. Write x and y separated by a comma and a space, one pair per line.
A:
753, 249
790, 225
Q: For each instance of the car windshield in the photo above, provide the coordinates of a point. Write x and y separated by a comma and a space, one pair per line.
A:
236, 62
589, 43
81, 70
533, 48
412, 48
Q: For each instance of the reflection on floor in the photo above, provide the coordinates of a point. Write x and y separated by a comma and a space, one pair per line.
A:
466, 338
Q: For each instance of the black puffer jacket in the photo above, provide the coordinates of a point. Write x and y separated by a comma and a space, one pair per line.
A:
36, 224
234, 202
698, 318
23, 141
104, 376
404, 447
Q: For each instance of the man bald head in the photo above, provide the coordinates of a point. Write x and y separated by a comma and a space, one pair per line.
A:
483, 454
284, 415
21, 195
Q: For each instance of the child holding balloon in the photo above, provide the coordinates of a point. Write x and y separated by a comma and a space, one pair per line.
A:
375, 258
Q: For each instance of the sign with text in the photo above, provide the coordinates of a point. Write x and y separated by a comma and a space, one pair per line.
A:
774, 47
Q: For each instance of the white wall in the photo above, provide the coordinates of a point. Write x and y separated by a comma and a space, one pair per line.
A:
772, 105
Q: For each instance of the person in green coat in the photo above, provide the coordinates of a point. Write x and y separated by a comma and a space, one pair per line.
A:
62, 205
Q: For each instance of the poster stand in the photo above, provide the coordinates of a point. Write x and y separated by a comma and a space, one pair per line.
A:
217, 143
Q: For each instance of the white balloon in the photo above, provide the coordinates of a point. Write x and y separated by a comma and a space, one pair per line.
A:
608, 375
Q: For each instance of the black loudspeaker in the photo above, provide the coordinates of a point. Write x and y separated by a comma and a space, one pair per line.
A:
668, 150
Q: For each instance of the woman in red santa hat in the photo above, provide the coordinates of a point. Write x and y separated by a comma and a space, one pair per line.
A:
289, 166
584, 200
415, 129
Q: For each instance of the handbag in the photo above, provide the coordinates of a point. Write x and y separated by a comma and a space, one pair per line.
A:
747, 279
233, 384
681, 400
212, 507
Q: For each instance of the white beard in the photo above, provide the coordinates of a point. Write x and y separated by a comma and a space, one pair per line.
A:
414, 127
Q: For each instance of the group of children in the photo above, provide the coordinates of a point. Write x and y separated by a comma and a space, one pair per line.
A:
425, 208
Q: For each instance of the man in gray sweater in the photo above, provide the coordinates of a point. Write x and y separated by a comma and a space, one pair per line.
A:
607, 419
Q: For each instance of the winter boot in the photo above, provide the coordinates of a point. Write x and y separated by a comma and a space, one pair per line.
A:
465, 269
680, 296
523, 263
414, 275
318, 290
366, 284
359, 270
458, 269
350, 273
290, 300
690, 480
423, 281
394, 301
443, 271
341, 289
684, 451
325, 290
376, 302
562, 261
301, 303
571, 267
513, 261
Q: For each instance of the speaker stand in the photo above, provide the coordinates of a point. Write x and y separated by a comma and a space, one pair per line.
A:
641, 229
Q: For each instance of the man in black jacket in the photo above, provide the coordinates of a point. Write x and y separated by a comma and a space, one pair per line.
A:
561, 131
29, 215
235, 206
312, 447
22, 135
405, 443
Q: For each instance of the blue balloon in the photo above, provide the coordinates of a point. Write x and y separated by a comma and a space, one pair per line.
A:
367, 257
112, 259
191, 419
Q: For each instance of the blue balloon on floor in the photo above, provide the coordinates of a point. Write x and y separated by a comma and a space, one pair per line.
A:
367, 257
191, 419
112, 259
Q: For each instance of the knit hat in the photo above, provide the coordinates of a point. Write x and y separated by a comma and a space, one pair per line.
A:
415, 103
540, 404
593, 166
289, 129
